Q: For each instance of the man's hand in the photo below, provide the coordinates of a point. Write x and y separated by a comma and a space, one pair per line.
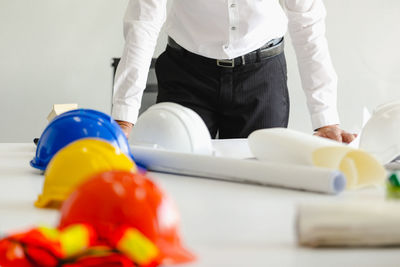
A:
335, 133
126, 127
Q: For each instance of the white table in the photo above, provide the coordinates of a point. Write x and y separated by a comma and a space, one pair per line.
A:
226, 224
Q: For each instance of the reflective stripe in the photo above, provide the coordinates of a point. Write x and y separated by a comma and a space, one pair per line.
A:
74, 239
137, 247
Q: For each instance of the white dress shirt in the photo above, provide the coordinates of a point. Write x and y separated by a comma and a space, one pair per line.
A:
224, 29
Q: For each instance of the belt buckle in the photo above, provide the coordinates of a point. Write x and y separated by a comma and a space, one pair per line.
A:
226, 63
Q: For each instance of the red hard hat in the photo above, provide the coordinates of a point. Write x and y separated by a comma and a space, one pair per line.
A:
116, 199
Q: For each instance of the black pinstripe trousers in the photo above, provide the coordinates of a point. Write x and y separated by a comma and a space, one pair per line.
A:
232, 101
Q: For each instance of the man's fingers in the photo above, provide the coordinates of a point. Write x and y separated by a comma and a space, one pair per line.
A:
348, 137
335, 135
333, 132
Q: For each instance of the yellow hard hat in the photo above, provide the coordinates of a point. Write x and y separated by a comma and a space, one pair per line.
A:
76, 163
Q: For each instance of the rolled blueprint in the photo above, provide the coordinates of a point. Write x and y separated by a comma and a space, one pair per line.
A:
291, 176
285, 145
349, 224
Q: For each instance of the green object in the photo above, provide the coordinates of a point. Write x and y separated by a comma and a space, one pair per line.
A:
394, 180
393, 186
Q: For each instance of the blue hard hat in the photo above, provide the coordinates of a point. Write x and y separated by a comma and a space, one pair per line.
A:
74, 125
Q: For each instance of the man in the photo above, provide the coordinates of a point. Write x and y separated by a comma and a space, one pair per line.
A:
225, 61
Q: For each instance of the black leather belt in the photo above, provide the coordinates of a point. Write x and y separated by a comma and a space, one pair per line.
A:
270, 49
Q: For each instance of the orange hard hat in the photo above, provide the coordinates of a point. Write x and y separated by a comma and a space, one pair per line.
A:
112, 200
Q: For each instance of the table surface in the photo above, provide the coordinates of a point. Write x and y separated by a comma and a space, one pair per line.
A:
224, 223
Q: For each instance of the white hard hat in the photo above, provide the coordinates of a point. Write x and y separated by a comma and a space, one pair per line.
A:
381, 134
172, 127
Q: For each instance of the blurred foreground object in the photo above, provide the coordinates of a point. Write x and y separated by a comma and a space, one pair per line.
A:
393, 185
74, 246
125, 221
76, 163
349, 224
112, 201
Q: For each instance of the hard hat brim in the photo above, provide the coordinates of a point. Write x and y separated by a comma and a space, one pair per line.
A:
35, 163
175, 254
49, 202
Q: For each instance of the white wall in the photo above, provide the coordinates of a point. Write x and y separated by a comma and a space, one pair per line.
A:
58, 51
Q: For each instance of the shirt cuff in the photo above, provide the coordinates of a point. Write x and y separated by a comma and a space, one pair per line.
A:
125, 113
324, 118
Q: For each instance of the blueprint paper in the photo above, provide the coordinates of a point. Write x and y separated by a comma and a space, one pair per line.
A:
308, 178
285, 145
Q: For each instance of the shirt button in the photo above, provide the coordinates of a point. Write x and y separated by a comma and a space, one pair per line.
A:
233, 28
233, 5
226, 46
